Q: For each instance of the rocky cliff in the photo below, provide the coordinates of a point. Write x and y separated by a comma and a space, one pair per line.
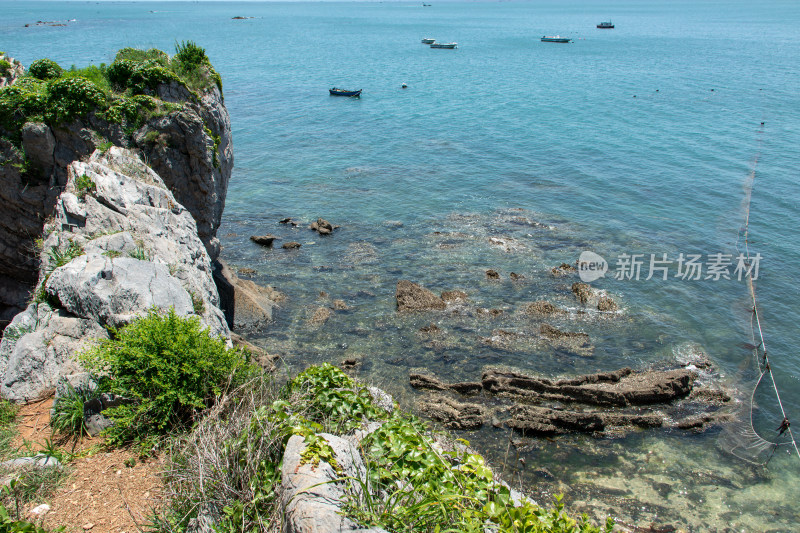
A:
114, 182
119, 244
176, 122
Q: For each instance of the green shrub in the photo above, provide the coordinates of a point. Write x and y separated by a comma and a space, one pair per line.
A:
71, 98
169, 367
189, 55
105, 146
84, 185
134, 110
5, 67
45, 69
138, 56
96, 75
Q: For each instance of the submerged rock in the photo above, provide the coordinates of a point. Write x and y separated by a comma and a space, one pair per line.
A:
492, 274
291, 245
412, 297
425, 381
542, 308
249, 306
562, 270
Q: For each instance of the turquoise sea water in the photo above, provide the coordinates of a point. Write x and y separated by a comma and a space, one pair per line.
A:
639, 140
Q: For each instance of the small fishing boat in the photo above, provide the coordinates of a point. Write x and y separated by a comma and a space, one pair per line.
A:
606, 25
342, 92
555, 39
449, 46
428, 40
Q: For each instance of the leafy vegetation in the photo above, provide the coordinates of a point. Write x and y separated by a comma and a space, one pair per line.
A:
169, 368
9, 525
84, 185
124, 92
417, 481
67, 417
45, 69
5, 67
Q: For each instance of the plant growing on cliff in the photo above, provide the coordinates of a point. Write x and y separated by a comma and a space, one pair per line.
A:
58, 257
5, 67
70, 98
84, 185
45, 69
169, 367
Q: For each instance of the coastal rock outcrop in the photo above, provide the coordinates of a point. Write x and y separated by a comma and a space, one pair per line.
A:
412, 297
606, 402
188, 143
118, 245
247, 305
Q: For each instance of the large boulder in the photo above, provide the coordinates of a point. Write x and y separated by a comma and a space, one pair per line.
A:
312, 495
248, 306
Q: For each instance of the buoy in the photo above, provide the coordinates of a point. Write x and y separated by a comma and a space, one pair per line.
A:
404, 86
634, 96
712, 90
762, 123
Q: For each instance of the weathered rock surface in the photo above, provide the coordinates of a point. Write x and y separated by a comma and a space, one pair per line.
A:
543, 308
311, 497
562, 270
619, 388
264, 240
412, 297
290, 245
38, 346
451, 413
125, 246
248, 306
322, 226
590, 297
194, 166
425, 381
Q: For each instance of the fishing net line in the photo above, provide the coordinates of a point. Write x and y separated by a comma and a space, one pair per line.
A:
758, 433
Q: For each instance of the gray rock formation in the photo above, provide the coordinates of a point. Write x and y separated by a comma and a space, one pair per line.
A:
619, 388
310, 495
195, 162
113, 251
451, 413
248, 306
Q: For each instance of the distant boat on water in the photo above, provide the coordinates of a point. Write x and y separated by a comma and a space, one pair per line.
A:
606, 25
343, 92
444, 45
555, 39
428, 40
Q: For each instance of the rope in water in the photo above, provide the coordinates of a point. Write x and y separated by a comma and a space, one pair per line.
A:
762, 359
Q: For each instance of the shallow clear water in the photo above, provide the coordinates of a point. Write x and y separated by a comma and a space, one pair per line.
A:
506, 122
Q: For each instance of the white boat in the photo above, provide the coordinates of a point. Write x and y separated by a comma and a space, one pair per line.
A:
428, 40
444, 45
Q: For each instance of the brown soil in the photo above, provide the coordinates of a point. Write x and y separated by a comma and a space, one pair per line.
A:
101, 494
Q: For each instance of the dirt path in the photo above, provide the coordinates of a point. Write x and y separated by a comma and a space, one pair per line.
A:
101, 494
